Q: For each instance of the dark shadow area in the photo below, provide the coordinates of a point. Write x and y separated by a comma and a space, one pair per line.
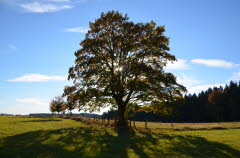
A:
42, 120
90, 142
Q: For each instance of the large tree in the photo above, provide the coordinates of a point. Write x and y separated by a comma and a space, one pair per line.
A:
120, 62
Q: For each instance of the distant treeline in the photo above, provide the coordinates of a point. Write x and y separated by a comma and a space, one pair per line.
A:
215, 104
5, 114
73, 114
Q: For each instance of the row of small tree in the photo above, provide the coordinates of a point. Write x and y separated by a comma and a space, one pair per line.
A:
59, 105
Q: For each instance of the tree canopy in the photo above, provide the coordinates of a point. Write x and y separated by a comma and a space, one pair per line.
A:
123, 62
57, 105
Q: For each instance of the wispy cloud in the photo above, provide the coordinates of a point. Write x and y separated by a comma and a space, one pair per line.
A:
77, 29
27, 105
187, 81
214, 63
37, 78
198, 89
36, 101
180, 64
12, 46
37, 7
194, 85
59, 0
235, 77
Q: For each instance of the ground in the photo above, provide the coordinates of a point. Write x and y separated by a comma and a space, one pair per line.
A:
25, 137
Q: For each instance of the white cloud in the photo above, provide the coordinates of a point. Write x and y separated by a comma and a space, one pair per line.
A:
31, 101
195, 86
77, 29
213, 63
34, 105
187, 81
37, 7
27, 105
198, 89
38, 78
180, 64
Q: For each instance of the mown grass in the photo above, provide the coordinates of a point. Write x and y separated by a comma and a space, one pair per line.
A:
171, 126
179, 126
54, 137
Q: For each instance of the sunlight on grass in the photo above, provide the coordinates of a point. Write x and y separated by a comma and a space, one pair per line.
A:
55, 137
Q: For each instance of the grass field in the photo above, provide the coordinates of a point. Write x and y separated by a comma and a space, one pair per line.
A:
180, 126
24, 137
174, 126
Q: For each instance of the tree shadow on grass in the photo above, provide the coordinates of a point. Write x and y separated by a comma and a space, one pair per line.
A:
94, 142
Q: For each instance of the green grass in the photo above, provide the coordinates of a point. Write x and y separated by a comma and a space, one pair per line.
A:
175, 126
180, 126
24, 137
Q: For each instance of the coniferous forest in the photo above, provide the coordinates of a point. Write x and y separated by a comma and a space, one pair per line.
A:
217, 104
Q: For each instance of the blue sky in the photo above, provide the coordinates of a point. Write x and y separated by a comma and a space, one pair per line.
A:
39, 37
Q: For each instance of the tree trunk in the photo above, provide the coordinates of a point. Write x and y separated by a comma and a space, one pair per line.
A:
134, 125
122, 122
146, 118
146, 123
